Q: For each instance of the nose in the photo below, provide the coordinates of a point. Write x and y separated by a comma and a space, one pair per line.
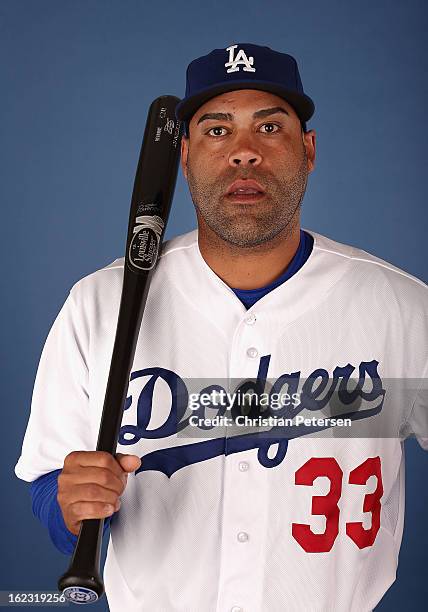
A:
244, 154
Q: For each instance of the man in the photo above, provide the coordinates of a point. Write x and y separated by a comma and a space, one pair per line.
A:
301, 517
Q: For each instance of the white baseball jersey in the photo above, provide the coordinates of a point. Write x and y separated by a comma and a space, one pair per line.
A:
234, 524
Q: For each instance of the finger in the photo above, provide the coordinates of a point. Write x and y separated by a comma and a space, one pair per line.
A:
100, 459
82, 510
128, 463
87, 493
100, 476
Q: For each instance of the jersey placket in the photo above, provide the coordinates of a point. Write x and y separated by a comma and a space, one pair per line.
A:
245, 488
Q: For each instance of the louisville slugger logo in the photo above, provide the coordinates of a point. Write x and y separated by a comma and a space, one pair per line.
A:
144, 246
170, 459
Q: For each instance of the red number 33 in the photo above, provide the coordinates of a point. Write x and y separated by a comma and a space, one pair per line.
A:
327, 505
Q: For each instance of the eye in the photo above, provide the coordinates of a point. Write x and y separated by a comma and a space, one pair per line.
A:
217, 131
271, 128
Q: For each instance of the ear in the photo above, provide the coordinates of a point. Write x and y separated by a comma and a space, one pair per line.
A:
309, 139
184, 154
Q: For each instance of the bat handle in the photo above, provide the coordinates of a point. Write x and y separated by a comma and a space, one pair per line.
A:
82, 582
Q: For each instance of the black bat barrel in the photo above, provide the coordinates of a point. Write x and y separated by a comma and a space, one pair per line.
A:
150, 206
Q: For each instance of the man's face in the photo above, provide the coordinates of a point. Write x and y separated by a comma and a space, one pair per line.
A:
247, 135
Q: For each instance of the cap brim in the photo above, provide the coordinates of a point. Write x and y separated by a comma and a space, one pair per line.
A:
302, 104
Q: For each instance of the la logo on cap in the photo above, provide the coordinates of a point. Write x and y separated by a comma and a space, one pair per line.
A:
241, 59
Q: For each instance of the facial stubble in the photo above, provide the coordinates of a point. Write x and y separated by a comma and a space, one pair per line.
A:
252, 224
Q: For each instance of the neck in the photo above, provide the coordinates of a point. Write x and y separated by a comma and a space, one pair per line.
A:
248, 267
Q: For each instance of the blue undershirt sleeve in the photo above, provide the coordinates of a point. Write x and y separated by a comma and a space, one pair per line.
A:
45, 507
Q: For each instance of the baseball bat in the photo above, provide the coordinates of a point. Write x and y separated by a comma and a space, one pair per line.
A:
150, 205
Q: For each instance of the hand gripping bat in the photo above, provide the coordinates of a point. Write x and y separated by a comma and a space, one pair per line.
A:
150, 205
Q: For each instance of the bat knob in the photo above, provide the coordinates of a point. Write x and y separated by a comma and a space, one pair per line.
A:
82, 582
81, 589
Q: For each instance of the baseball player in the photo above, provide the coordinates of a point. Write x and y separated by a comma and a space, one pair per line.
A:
219, 519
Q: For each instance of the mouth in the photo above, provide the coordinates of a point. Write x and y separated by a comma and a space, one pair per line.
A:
245, 190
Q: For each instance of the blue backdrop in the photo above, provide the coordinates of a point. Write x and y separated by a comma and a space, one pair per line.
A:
77, 78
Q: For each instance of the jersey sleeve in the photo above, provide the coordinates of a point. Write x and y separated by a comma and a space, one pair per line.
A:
59, 418
417, 424
45, 507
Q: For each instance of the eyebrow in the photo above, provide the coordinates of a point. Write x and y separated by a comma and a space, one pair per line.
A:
265, 112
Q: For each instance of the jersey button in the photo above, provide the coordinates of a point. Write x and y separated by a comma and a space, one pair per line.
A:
251, 319
244, 466
236, 609
252, 352
243, 536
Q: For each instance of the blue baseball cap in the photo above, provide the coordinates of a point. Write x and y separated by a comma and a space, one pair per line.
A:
244, 66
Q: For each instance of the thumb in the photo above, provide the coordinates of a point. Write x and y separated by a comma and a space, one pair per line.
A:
128, 463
